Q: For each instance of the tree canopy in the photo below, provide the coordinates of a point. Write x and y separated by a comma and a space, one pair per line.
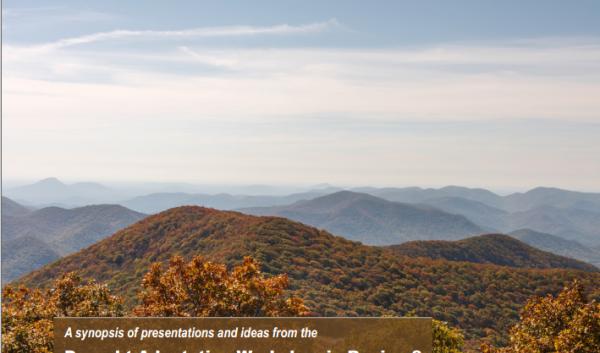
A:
567, 323
27, 313
203, 288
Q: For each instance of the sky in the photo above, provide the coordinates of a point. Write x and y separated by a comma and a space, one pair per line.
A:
383, 93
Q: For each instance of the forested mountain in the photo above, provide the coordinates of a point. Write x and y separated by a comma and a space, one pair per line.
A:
11, 208
496, 249
23, 255
58, 232
372, 220
569, 223
558, 245
335, 276
69, 230
569, 214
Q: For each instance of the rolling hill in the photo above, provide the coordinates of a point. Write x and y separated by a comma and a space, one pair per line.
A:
420, 195
544, 196
23, 255
569, 214
495, 249
488, 217
569, 223
11, 208
515, 202
335, 276
68, 230
158, 202
372, 220
558, 245
58, 232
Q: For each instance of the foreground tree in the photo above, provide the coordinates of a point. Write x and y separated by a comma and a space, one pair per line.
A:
566, 323
201, 288
27, 313
446, 339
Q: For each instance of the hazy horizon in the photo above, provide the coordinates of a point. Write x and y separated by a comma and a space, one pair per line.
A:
148, 186
284, 93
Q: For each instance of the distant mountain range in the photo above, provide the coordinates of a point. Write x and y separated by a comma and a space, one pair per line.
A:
56, 231
495, 249
53, 192
373, 220
568, 214
558, 245
158, 202
538, 197
335, 276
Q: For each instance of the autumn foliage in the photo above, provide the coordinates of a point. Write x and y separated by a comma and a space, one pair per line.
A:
561, 324
566, 323
27, 313
446, 339
334, 276
197, 288
202, 288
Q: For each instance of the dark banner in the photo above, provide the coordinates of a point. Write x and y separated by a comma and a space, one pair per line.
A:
243, 335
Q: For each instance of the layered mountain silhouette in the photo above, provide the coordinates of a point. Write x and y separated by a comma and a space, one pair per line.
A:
372, 220
158, 202
11, 208
532, 209
488, 217
569, 223
569, 214
420, 195
498, 249
57, 231
53, 192
537, 197
558, 245
544, 196
335, 276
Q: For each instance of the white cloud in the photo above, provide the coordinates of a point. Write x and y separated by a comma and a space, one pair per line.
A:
202, 32
187, 109
445, 82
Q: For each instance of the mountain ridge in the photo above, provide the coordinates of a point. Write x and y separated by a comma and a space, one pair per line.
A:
58, 230
372, 220
498, 249
335, 276
559, 245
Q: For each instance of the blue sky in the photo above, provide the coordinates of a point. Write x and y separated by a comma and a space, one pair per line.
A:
478, 93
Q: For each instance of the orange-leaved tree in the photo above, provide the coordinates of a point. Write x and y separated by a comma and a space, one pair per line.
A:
203, 288
567, 323
446, 339
27, 313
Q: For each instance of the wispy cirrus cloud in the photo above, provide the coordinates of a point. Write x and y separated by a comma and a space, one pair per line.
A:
418, 110
201, 32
